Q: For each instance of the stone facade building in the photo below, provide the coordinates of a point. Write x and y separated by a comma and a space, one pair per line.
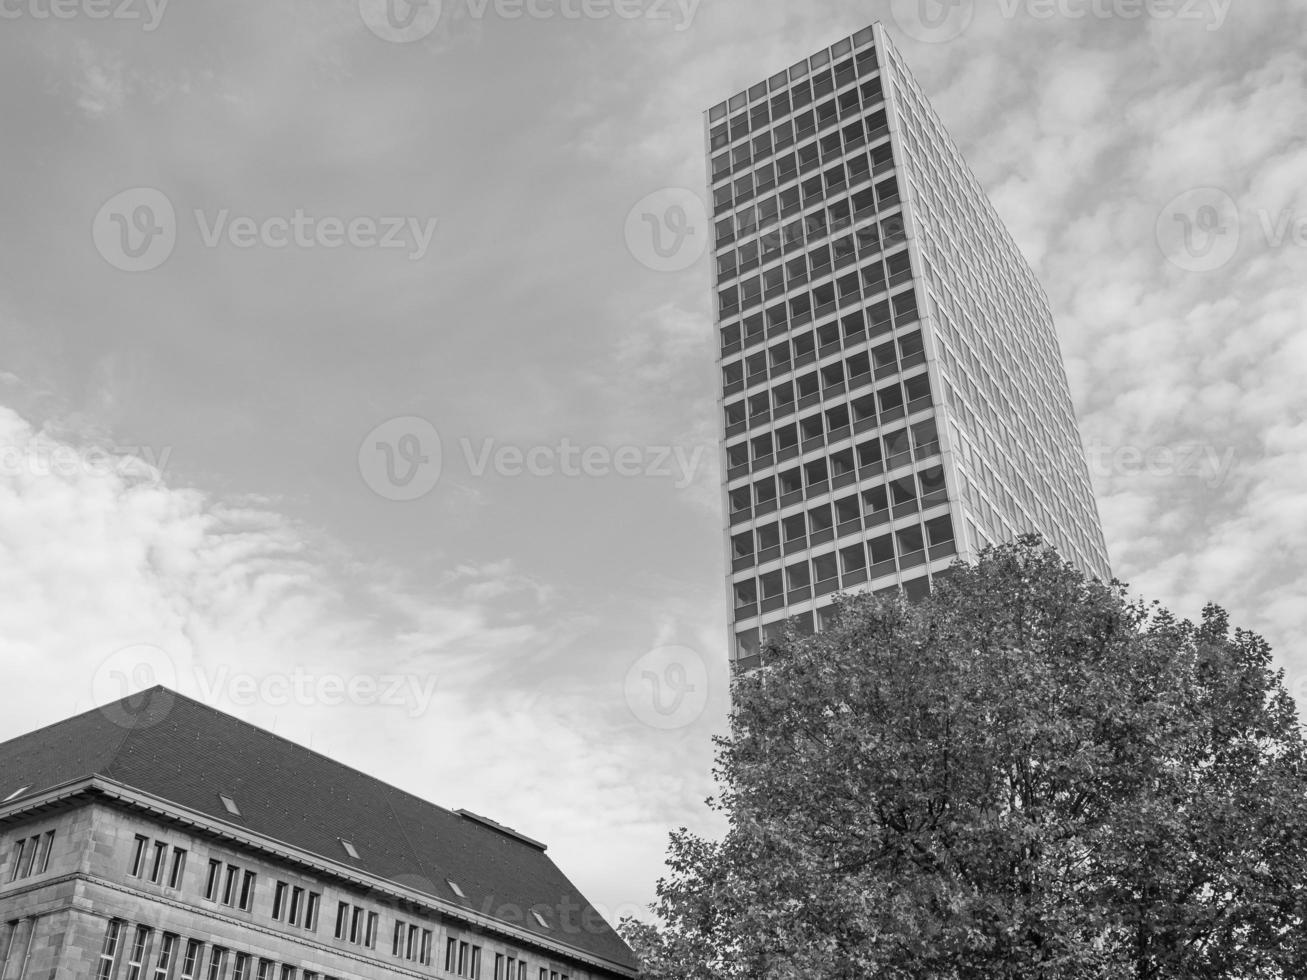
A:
160, 839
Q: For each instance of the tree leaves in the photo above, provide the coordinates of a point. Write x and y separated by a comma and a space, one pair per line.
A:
1025, 775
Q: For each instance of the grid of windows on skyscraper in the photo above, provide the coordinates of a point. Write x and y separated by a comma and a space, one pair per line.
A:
864, 429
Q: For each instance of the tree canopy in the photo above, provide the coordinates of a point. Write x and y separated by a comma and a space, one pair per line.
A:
1025, 775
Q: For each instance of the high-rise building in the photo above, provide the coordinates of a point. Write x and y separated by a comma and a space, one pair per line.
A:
159, 839
893, 394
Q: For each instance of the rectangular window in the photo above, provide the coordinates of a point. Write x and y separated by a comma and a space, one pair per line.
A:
374, 923
279, 900
29, 855
248, 884
136, 958
342, 917
356, 926
397, 938
18, 859
463, 950
425, 957
191, 961
499, 966
160, 862
178, 868
109, 952
287, 972
229, 889
411, 946
451, 951
265, 970
211, 883
475, 973
138, 856
47, 845
296, 905
217, 963
167, 952
521, 970
242, 968
311, 911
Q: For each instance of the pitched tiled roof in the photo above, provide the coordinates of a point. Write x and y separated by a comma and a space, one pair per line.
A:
178, 750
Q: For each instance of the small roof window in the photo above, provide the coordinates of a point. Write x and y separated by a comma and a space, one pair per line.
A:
350, 849
229, 805
540, 918
15, 794
453, 886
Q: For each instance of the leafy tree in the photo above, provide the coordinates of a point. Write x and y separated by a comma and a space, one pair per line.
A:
1025, 775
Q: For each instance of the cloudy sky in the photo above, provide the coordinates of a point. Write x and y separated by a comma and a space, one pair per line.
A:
336, 349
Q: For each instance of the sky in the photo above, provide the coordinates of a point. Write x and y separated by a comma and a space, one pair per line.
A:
357, 371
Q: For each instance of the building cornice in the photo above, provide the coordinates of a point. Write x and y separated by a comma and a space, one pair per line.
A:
122, 794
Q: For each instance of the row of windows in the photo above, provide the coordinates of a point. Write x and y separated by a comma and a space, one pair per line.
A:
412, 942
898, 310
870, 458
830, 210
31, 855
848, 567
872, 507
850, 221
873, 277
234, 889
872, 410
794, 96
815, 64
295, 905
841, 131
767, 118
151, 956
153, 864
776, 365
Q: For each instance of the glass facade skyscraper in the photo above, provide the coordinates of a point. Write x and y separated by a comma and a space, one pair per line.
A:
893, 394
